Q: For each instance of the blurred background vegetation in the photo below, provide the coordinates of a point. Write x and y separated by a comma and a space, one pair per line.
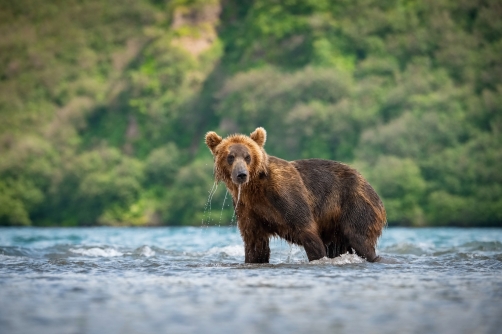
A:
104, 104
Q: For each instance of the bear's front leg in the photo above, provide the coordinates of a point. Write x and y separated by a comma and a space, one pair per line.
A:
257, 250
313, 245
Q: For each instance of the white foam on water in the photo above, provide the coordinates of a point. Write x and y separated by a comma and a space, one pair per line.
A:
146, 251
234, 250
340, 260
96, 252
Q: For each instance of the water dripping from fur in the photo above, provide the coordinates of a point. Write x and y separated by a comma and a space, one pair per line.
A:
238, 197
236, 205
222, 207
208, 203
211, 200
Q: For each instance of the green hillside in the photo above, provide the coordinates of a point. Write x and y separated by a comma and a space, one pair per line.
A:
104, 105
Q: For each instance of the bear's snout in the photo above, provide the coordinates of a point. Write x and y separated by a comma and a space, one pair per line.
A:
242, 176
240, 173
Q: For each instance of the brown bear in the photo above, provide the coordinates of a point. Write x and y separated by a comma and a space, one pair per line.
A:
325, 206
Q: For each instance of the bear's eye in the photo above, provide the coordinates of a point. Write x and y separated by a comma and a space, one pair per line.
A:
230, 159
248, 159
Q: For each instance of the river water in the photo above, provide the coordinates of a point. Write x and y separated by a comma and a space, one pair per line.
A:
193, 280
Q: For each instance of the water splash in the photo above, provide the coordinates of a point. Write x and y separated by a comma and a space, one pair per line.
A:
288, 259
339, 260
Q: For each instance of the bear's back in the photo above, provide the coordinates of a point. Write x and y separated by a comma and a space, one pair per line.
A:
322, 177
333, 184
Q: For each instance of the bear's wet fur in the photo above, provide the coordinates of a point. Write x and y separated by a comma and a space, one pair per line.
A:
325, 206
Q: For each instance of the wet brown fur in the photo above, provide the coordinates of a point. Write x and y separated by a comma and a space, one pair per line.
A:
324, 206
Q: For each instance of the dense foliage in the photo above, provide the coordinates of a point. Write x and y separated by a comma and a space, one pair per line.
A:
104, 105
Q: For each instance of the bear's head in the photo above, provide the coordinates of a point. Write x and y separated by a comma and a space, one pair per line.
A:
238, 158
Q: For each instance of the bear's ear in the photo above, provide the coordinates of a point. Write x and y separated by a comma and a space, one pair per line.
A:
259, 136
212, 140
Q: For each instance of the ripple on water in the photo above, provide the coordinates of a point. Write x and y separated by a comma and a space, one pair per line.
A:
16, 251
485, 246
408, 248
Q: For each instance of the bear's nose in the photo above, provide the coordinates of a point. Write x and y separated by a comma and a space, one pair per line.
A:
242, 176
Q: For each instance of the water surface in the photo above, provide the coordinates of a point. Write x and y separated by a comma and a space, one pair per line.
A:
193, 280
